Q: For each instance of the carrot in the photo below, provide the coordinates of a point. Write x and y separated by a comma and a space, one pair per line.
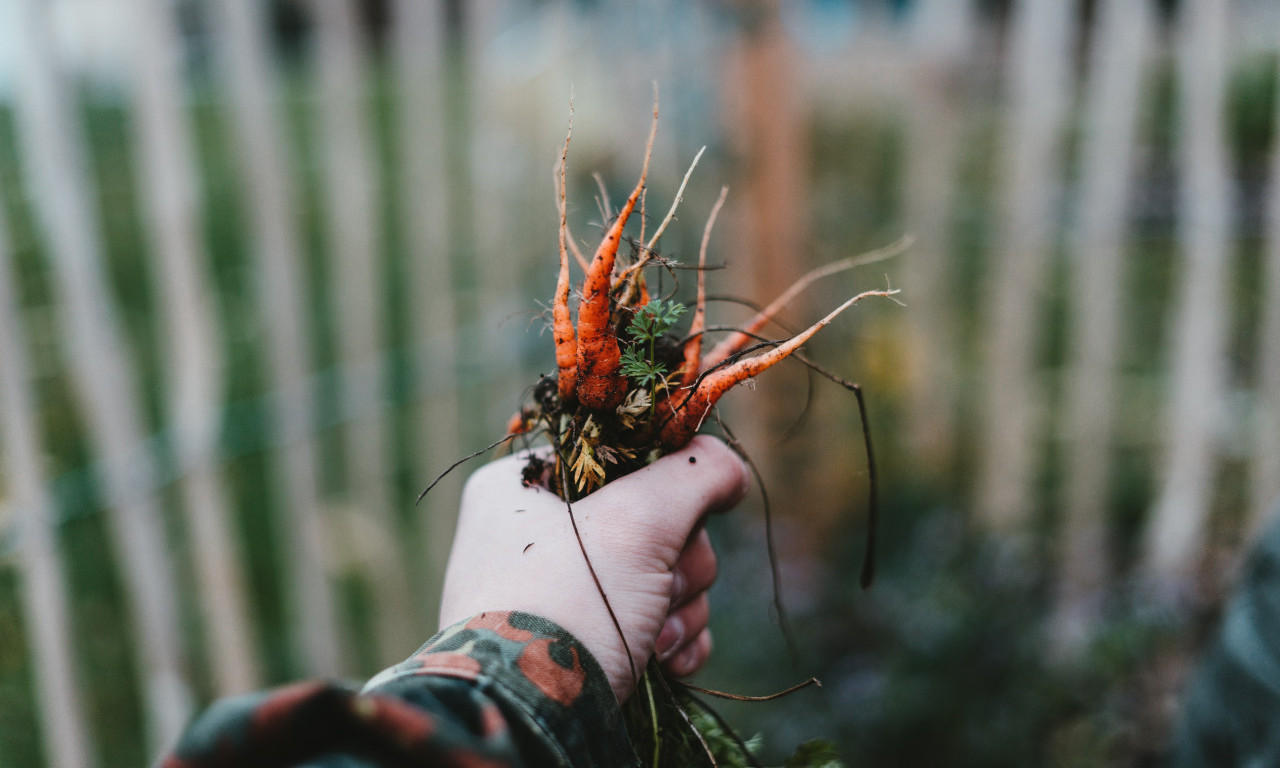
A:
693, 347
523, 421
561, 319
735, 341
601, 385
557, 183
685, 420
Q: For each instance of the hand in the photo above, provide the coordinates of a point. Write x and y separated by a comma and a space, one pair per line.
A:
515, 550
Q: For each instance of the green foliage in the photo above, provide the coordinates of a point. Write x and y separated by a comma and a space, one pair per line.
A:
654, 319
642, 371
650, 323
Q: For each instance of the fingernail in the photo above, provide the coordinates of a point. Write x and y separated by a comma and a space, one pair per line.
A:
678, 585
669, 637
686, 662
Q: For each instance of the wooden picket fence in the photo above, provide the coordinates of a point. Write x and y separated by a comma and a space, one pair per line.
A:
365, 362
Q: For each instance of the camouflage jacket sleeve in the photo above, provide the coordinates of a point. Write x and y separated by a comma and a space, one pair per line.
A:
500, 689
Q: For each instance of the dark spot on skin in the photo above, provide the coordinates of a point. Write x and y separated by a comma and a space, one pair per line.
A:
526, 547
693, 459
519, 510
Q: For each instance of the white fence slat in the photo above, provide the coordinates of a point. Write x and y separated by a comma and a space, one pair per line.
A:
1121, 38
419, 66
942, 33
1038, 85
273, 215
194, 357
1175, 533
45, 596
1265, 470
352, 189
102, 371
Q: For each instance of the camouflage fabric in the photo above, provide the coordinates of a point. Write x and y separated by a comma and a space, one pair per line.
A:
500, 689
1231, 715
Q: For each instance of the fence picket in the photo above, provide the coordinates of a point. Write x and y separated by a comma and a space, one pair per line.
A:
1037, 81
45, 597
1121, 37
194, 357
941, 38
1265, 471
102, 371
1175, 534
272, 208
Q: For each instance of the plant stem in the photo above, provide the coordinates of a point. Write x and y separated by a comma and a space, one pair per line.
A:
653, 717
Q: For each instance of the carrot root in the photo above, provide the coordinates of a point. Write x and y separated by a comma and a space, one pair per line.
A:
561, 318
734, 342
693, 347
685, 420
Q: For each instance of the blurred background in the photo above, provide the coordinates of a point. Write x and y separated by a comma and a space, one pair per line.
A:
266, 268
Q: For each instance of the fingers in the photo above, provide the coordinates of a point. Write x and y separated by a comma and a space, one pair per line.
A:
683, 626
691, 658
695, 571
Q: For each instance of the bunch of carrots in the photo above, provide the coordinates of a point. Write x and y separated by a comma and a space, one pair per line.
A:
623, 395
629, 388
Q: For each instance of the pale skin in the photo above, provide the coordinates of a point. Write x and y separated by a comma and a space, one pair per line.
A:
515, 550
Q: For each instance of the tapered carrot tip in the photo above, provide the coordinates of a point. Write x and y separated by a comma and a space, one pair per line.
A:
517, 425
562, 320
685, 421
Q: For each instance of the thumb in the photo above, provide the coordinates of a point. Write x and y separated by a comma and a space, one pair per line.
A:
667, 498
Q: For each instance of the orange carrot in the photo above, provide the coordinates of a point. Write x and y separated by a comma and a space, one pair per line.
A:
520, 423
601, 385
740, 338
685, 420
693, 347
561, 319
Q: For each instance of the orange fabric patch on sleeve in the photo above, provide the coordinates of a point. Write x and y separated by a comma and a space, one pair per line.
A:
499, 622
556, 683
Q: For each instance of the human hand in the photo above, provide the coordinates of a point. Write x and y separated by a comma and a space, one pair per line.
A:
515, 550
